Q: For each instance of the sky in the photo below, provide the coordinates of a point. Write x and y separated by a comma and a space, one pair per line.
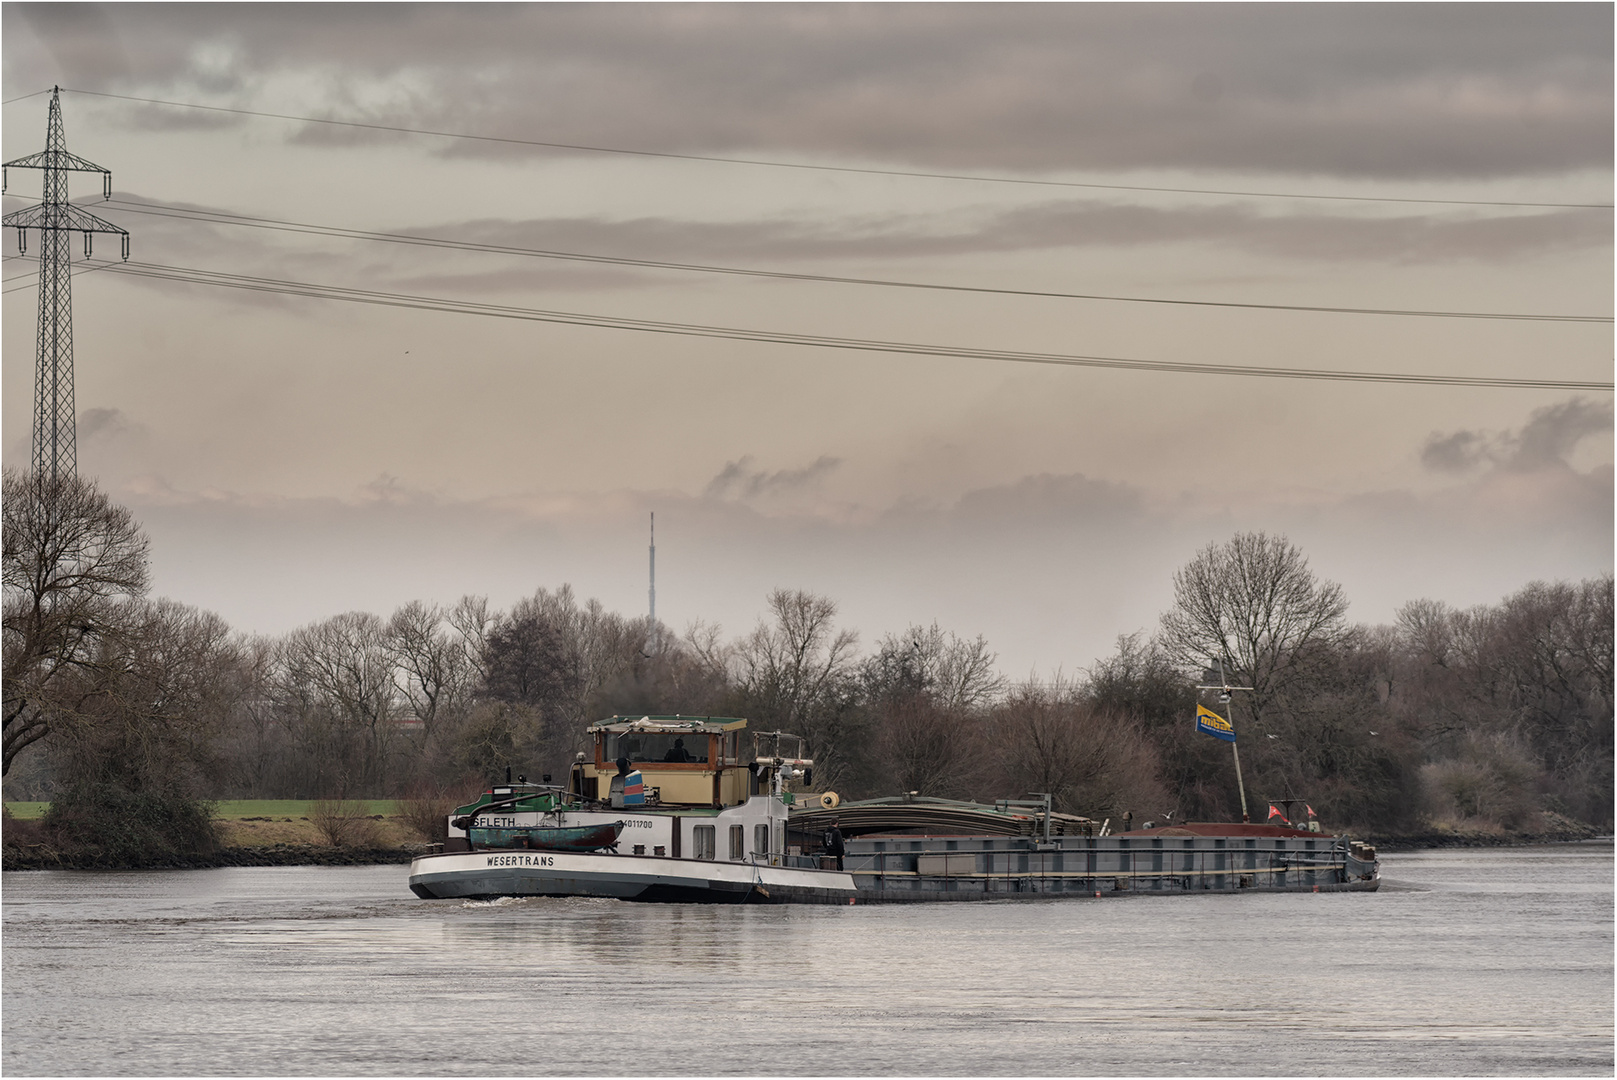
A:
293, 457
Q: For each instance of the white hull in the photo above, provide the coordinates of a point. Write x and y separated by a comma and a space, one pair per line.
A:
488, 873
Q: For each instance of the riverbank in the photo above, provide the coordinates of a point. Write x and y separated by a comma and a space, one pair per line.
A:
267, 841
257, 840
1553, 829
44, 857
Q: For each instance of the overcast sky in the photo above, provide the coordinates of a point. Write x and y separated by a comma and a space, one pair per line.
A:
294, 457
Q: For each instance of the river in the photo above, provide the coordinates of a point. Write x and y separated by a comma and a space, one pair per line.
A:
1472, 961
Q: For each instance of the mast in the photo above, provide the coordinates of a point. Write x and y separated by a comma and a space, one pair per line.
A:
1224, 688
652, 623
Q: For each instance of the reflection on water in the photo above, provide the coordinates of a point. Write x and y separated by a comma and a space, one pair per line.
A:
1469, 962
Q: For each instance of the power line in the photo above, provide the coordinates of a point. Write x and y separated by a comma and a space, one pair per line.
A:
867, 171
223, 218
33, 275
464, 307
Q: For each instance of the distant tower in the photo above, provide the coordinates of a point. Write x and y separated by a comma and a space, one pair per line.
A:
653, 622
55, 451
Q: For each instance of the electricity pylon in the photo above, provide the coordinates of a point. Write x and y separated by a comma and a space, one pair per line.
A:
55, 449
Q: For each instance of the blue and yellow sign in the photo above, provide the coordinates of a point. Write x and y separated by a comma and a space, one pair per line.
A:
1213, 724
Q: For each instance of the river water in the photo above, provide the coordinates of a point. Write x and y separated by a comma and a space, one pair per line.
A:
1473, 962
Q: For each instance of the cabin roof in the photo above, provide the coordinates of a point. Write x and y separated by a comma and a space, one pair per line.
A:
668, 723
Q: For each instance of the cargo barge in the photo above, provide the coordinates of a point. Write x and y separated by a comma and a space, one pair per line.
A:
685, 810
1198, 857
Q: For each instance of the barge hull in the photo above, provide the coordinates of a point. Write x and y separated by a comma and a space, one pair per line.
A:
487, 874
936, 868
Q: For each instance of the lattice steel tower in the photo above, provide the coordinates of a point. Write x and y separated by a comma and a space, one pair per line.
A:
55, 450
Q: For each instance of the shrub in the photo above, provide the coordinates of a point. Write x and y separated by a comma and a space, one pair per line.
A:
344, 823
425, 812
109, 826
19, 832
1492, 781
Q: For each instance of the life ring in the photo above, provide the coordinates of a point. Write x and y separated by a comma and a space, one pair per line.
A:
830, 800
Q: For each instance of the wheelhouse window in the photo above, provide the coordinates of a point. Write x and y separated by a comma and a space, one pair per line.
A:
760, 839
705, 841
651, 747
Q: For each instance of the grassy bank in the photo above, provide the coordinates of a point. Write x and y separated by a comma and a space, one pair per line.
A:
250, 832
238, 809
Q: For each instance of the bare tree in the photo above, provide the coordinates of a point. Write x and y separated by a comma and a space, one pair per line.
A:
925, 690
955, 672
472, 621
796, 673
339, 673
535, 668
1254, 603
930, 748
706, 643
1140, 684
1091, 763
139, 749
1533, 675
433, 663
153, 701
254, 743
72, 557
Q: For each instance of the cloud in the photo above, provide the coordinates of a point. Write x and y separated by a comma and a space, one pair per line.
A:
1459, 451
738, 480
1544, 442
102, 423
112, 445
1553, 432
1068, 500
1395, 91
1051, 568
777, 244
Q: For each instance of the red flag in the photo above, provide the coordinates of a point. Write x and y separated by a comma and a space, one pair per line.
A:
1310, 811
1274, 812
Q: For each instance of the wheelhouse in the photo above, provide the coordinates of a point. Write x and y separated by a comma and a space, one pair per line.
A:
687, 760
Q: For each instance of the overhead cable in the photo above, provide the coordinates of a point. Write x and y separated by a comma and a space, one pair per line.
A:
869, 171
279, 225
465, 307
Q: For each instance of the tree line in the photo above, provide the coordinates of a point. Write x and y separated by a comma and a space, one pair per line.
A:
1490, 716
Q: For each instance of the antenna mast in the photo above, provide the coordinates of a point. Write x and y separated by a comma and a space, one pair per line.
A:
55, 449
1223, 687
653, 616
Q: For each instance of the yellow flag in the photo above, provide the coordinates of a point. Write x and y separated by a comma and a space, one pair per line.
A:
1213, 724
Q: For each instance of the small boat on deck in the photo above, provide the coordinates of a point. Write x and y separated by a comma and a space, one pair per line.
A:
549, 838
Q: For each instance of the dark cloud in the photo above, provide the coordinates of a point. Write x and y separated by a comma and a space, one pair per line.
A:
738, 480
1052, 500
777, 244
79, 38
1396, 91
102, 423
1552, 432
1457, 452
1421, 237
1545, 441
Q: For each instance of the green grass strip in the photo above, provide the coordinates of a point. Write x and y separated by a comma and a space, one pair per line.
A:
293, 808
228, 809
